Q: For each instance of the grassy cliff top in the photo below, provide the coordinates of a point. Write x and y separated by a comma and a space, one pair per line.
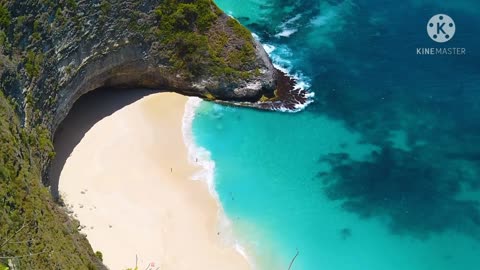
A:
201, 40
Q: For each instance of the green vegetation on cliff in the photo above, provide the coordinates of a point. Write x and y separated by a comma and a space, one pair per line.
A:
5, 18
34, 232
201, 40
189, 45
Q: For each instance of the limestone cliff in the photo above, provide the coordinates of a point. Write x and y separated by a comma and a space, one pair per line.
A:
55, 52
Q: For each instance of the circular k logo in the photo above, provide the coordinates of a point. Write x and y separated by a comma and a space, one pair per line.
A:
441, 28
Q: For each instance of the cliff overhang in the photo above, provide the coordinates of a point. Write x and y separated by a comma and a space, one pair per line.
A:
54, 53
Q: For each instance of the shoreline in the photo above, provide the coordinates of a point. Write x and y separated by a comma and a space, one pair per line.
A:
292, 94
201, 157
129, 182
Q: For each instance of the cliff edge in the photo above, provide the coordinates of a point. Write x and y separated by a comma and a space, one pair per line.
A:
52, 53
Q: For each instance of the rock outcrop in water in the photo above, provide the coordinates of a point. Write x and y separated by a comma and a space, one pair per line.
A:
52, 52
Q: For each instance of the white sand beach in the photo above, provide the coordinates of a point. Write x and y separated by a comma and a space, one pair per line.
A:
129, 183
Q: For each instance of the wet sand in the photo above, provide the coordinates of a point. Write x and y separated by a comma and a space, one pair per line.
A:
128, 182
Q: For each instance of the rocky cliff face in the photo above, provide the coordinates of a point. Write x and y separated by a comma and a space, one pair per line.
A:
55, 52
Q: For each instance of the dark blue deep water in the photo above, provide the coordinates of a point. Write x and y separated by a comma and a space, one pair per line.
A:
382, 171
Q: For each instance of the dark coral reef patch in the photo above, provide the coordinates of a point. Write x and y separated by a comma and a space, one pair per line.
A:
414, 195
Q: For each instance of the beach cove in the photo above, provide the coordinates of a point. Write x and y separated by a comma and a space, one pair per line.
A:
375, 174
129, 183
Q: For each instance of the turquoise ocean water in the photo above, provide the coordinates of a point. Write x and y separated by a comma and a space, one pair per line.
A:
382, 171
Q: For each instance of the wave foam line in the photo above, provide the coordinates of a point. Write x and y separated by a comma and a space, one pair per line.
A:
280, 62
199, 156
286, 32
288, 28
284, 65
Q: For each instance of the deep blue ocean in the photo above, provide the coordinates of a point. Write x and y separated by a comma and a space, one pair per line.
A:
382, 170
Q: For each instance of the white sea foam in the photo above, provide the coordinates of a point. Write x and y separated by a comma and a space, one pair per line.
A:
291, 20
287, 28
199, 156
268, 48
279, 57
286, 32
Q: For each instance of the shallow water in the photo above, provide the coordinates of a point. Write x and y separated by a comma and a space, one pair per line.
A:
382, 170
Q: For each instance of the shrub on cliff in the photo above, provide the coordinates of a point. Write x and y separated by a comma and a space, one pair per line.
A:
34, 232
196, 39
32, 63
5, 18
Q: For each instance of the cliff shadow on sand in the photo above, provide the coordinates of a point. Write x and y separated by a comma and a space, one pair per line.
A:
85, 113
